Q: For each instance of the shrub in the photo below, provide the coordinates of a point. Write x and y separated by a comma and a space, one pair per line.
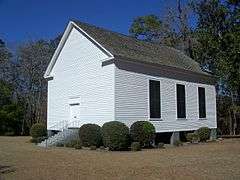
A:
160, 145
69, 145
59, 144
37, 140
142, 132
78, 146
72, 143
34, 140
93, 147
90, 135
203, 133
135, 146
177, 143
192, 137
38, 130
115, 135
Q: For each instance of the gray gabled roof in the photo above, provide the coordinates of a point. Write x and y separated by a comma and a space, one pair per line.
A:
141, 51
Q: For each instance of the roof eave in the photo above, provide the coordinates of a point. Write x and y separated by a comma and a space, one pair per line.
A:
119, 57
57, 51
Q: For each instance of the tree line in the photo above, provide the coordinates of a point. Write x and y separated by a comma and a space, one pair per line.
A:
214, 42
206, 30
23, 90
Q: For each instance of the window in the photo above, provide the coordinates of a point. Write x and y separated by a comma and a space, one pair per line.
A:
201, 102
154, 97
181, 104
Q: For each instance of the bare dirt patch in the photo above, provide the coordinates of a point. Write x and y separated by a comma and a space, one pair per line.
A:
218, 160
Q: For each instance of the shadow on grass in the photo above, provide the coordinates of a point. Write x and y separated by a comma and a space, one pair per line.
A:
6, 169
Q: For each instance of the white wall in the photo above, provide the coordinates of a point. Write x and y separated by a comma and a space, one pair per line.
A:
78, 72
107, 93
131, 94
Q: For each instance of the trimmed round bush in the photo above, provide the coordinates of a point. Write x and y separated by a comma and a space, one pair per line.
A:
142, 132
135, 146
38, 130
90, 135
203, 133
192, 137
115, 135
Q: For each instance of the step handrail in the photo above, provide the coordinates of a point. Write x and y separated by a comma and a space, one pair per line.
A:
64, 125
74, 124
59, 125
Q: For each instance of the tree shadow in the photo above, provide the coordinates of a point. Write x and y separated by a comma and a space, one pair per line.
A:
6, 169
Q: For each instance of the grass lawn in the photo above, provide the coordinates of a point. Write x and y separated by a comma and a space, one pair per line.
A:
216, 160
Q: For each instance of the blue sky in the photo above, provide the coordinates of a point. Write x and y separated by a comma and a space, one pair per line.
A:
22, 20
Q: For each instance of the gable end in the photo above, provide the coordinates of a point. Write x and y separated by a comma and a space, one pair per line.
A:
62, 42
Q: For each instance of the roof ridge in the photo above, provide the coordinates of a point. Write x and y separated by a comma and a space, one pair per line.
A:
121, 34
141, 50
101, 28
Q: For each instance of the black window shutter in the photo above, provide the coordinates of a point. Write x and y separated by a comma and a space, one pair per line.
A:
154, 93
201, 102
181, 104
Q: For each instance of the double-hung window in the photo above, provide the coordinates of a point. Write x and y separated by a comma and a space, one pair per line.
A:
181, 101
154, 99
201, 102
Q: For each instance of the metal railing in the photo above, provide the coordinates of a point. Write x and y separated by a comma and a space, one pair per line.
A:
64, 125
60, 126
74, 124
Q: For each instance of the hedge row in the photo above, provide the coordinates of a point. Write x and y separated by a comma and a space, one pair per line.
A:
116, 135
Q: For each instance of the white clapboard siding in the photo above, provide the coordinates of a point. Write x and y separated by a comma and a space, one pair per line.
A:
106, 92
79, 74
131, 102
